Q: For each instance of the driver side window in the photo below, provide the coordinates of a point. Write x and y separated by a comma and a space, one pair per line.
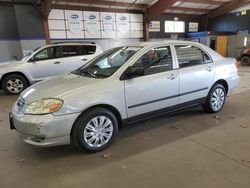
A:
45, 54
155, 61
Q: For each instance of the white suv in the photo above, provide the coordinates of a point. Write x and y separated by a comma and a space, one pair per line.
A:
45, 62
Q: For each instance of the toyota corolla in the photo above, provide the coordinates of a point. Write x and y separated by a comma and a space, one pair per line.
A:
122, 85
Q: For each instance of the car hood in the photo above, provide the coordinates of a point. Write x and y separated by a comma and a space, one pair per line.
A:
8, 65
61, 87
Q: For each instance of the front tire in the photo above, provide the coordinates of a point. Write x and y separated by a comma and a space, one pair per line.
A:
94, 130
216, 99
14, 84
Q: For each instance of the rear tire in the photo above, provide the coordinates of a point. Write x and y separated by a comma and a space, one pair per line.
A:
216, 99
14, 84
245, 60
94, 130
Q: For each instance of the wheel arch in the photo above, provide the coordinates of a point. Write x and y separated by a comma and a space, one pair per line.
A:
14, 72
106, 106
222, 82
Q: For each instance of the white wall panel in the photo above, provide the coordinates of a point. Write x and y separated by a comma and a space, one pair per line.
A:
136, 34
108, 25
56, 24
56, 14
67, 25
122, 25
71, 35
136, 26
92, 25
70, 12
57, 34
136, 18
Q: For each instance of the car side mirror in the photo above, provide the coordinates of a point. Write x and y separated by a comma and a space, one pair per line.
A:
32, 59
132, 72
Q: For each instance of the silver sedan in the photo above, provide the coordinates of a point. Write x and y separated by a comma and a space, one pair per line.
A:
120, 86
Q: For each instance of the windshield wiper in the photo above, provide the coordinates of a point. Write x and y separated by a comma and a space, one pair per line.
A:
86, 72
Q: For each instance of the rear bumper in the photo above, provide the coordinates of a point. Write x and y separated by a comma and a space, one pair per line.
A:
43, 130
233, 83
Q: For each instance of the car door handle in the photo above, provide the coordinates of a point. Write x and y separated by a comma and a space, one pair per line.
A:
57, 62
84, 59
209, 69
171, 76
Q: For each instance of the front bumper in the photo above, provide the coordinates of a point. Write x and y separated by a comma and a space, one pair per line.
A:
43, 130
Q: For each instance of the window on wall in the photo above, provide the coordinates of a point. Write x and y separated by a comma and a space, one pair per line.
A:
174, 26
193, 26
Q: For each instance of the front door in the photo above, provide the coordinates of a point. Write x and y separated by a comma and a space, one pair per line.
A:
45, 64
157, 88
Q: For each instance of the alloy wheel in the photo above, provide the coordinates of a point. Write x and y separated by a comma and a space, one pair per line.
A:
15, 85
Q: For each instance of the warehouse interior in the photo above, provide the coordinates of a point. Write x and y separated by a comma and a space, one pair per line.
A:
185, 149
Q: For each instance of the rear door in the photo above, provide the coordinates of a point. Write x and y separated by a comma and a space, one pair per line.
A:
158, 88
196, 71
75, 56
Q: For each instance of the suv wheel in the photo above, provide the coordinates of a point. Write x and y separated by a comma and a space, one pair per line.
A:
215, 99
94, 130
245, 60
14, 84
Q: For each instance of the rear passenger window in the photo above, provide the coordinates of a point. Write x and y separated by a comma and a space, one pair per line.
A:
89, 49
68, 51
190, 56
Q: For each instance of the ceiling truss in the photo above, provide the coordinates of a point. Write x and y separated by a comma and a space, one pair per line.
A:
151, 9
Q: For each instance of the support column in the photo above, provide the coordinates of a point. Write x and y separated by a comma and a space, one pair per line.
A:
204, 22
46, 8
145, 28
46, 30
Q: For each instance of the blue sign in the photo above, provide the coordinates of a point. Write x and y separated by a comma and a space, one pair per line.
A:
74, 16
123, 18
108, 18
92, 17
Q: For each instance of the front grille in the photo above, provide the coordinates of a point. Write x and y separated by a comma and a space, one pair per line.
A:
20, 103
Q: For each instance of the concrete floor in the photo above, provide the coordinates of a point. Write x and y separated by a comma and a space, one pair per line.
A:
191, 149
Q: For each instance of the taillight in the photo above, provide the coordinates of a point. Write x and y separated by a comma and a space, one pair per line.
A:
237, 64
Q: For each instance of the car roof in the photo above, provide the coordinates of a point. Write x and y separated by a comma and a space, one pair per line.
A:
163, 42
71, 43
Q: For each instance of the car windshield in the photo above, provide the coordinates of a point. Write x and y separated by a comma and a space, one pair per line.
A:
26, 57
107, 63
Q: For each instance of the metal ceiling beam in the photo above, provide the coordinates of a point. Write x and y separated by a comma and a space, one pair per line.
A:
107, 3
67, 7
227, 8
158, 8
190, 9
210, 2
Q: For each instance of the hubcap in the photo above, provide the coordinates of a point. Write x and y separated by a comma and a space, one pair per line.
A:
15, 85
217, 99
98, 131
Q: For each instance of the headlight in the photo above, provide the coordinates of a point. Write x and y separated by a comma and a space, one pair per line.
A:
44, 106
